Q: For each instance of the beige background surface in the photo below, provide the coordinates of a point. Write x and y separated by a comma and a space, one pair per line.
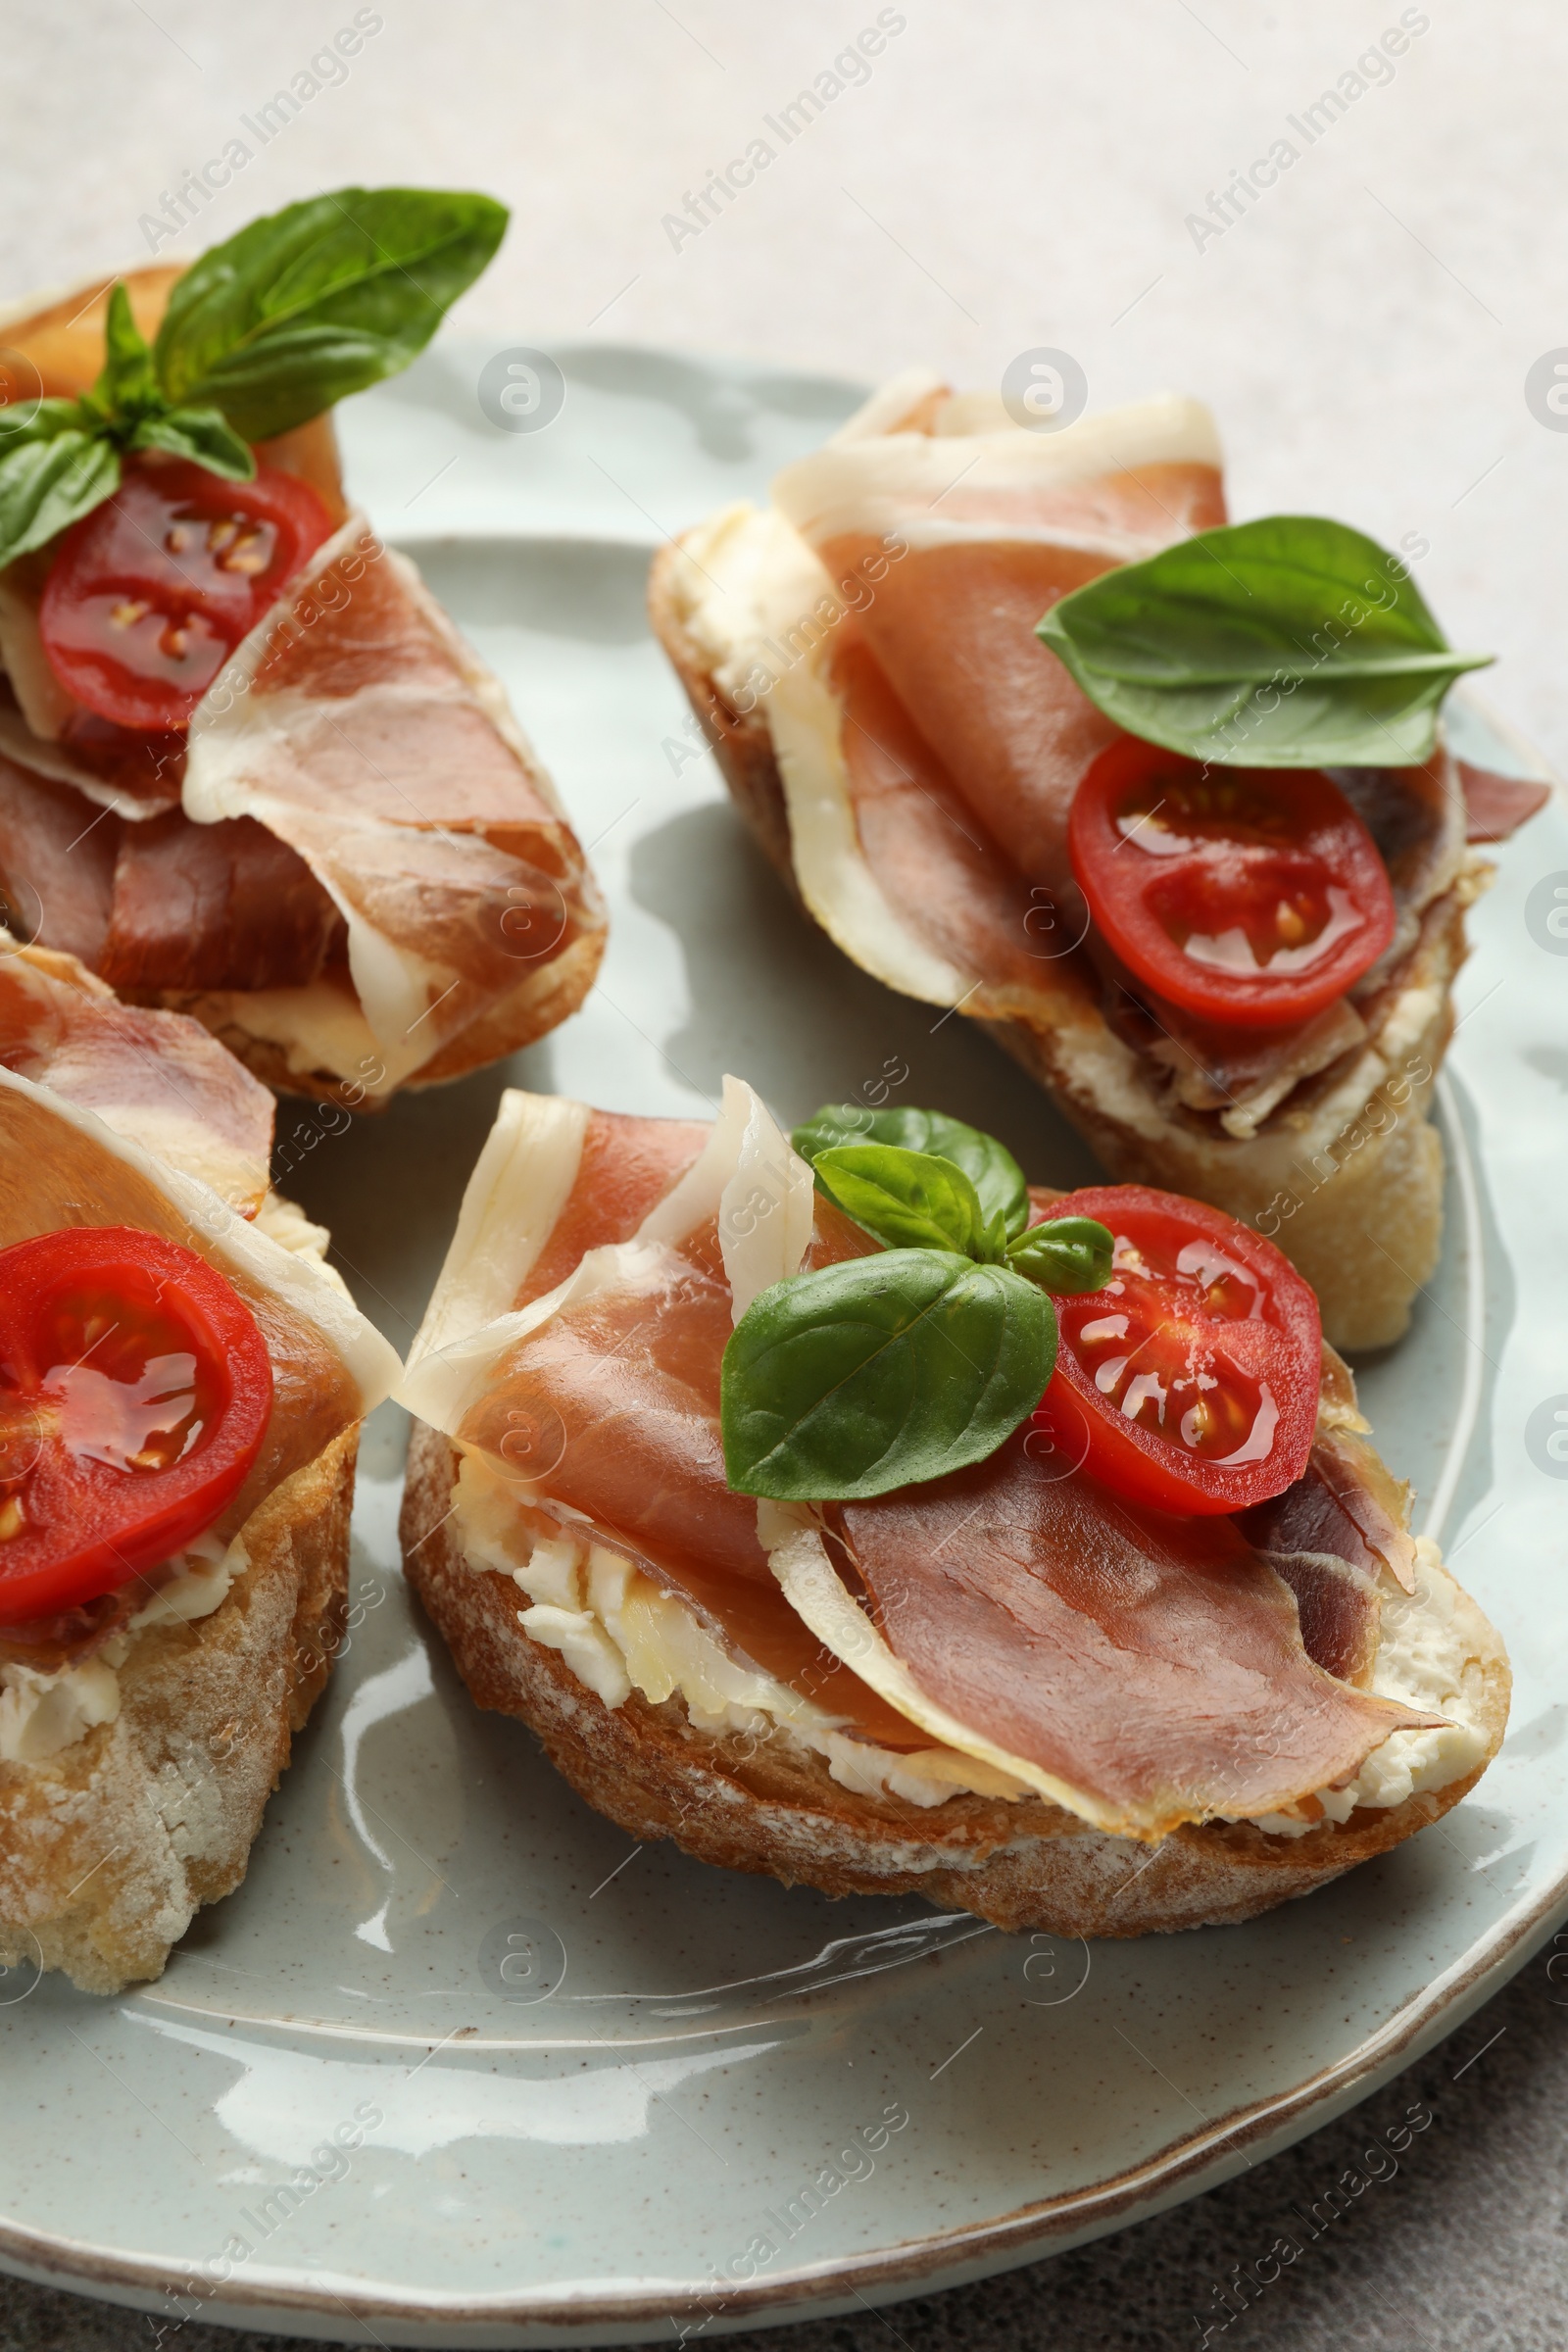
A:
1018, 176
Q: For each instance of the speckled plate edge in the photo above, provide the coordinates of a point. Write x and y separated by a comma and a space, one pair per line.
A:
1197, 2161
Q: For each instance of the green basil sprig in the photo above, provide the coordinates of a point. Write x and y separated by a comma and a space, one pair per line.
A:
885, 1371
264, 332
59, 459
1288, 642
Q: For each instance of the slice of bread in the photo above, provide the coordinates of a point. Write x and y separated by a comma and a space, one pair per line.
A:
138, 1748
775, 1807
109, 1847
1345, 1176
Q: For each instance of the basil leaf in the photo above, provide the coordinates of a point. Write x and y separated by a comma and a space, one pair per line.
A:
48, 481
990, 1167
40, 422
910, 1199
319, 301
1290, 642
1064, 1254
201, 434
880, 1373
126, 381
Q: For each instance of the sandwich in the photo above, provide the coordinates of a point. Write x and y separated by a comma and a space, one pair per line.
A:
1161, 802
249, 770
182, 1381
846, 1509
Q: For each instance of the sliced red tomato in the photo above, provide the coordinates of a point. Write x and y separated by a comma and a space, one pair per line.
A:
150, 593
1190, 1380
134, 1392
1251, 896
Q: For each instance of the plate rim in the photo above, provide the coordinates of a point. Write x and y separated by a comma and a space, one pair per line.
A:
1200, 2158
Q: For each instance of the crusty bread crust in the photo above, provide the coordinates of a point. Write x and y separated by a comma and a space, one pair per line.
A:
108, 1849
774, 1808
1356, 1202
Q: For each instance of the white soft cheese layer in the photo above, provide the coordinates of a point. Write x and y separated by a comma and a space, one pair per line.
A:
618, 1631
42, 1714
621, 1632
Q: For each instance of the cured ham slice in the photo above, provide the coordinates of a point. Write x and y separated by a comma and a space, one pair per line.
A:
1498, 805
356, 728
134, 774
1156, 1666
159, 903
154, 1077
999, 526
1142, 1669
224, 905
57, 864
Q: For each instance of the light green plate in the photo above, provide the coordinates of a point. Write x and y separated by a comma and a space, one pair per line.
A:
458, 2064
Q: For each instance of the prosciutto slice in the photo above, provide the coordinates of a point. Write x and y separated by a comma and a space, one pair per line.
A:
999, 528
224, 905
356, 728
1498, 805
57, 864
1147, 1670
1157, 1665
155, 1077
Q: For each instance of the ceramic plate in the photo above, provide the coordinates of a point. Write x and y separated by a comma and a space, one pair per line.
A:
459, 2064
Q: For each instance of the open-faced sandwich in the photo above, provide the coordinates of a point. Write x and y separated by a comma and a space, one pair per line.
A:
248, 767
1159, 802
854, 1512
182, 1385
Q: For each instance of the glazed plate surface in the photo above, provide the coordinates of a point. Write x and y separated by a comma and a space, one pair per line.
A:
458, 2064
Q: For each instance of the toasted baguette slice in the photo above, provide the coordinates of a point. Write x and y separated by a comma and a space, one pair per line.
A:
110, 1847
773, 1808
1346, 1177
135, 1763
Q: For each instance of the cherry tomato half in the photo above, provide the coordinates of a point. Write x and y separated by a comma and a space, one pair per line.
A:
1254, 896
1190, 1380
150, 593
135, 1393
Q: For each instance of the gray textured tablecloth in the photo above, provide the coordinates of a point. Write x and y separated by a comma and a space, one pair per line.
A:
1036, 173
